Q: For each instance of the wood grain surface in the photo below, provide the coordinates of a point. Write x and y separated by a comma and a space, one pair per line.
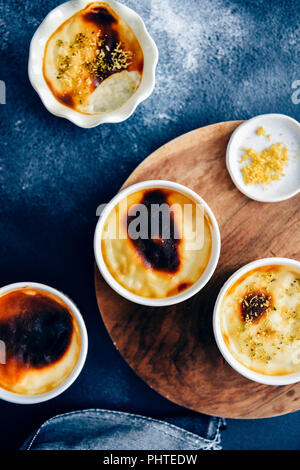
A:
173, 348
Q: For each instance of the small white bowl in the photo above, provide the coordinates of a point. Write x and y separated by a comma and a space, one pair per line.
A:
235, 364
36, 54
281, 129
198, 285
32, 399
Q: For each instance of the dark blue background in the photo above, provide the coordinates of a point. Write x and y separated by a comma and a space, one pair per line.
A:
219, 60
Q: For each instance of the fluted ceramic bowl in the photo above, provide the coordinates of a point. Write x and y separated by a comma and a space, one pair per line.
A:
36, 54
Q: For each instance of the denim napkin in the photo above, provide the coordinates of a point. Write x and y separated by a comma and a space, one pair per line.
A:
95, 429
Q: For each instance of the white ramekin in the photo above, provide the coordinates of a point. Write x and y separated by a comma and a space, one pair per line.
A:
235, 364
31, 399
35, 66
209, 270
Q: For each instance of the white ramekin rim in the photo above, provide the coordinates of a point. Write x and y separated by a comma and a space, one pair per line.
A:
232, 361
32, 399
35, 65
198, 285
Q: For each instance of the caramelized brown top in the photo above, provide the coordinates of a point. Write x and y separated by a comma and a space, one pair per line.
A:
254, 305
157, 252
36, 329
107, 22
101, 17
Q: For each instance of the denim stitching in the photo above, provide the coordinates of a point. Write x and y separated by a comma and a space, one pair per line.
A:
201, 440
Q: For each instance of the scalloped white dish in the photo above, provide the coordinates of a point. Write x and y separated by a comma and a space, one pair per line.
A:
53, 22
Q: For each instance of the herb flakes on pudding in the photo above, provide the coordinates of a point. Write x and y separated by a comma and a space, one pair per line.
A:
260, 320
93, 63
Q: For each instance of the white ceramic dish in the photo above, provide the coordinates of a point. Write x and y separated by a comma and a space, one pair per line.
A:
281, 129
209, 270
35, 66
28, 399
255, 376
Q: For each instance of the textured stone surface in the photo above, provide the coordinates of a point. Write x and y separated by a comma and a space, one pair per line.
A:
219, 60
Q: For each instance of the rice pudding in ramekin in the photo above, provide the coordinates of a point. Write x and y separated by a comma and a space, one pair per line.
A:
154, 261
257, 321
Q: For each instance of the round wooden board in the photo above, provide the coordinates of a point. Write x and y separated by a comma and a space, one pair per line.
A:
173, 348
